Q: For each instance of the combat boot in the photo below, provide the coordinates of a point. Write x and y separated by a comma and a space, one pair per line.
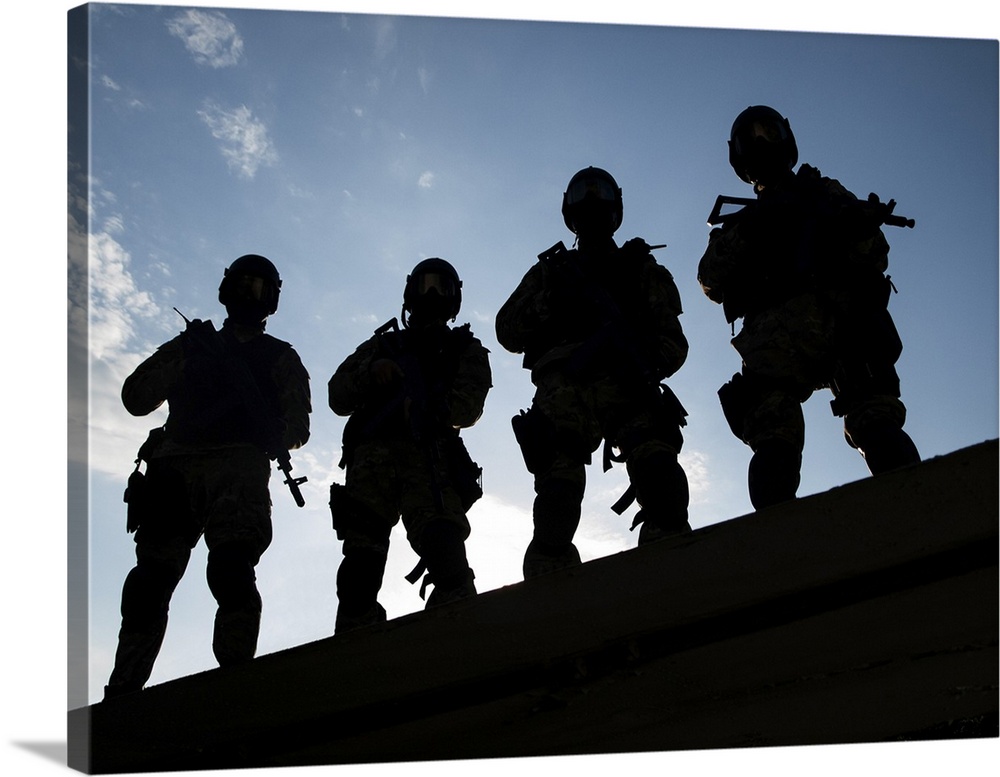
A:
885, 447
773, 474
540, 559
663, 495
651, 530
348, 622
114, 690
453, 590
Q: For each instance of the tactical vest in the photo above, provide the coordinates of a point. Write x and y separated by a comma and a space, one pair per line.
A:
206, 407
622, 287
436, 360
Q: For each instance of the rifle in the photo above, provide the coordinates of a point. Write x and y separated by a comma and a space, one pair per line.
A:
205, 335
873, 206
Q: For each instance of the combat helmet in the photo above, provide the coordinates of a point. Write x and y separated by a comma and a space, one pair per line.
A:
761, 143
250, 288
433, 291
592, 199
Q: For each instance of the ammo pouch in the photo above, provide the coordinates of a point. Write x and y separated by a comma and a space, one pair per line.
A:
138, 494
466, 476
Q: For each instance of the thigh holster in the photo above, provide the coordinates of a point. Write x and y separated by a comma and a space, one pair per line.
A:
351, 518
536, 437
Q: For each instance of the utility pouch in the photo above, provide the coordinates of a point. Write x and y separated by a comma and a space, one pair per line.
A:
342, 508
673, 417
733, 396
136, 497
535, 435
137, 494
351, 517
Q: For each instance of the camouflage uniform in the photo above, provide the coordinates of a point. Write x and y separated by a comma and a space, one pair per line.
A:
598, 378
804, 269
206, 475
404, 457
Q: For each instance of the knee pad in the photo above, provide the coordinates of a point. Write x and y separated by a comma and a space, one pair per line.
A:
774, 473
541, 558
884, 445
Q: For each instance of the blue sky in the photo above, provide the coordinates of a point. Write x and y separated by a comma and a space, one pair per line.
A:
347, 147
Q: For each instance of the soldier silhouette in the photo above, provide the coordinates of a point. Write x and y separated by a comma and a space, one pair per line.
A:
207, 468
803, 265
598, 326
408, 392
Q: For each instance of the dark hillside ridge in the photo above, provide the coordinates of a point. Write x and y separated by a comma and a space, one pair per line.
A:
868, 613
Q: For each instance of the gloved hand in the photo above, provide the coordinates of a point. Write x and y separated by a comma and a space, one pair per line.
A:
636, 248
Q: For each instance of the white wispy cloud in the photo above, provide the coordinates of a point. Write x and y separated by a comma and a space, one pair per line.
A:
210, 37
385, 38
115, 299
245, 143
108, 307
119, 94
696, 467
426, 180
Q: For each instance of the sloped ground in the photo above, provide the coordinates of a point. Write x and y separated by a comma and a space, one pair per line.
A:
867, 613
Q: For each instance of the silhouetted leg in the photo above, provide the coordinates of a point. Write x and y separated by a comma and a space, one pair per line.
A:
145, 603
663, 495
884, 446
359, 579
873, 423
774, 473
233, 583
442, 549
556, 516
774, 428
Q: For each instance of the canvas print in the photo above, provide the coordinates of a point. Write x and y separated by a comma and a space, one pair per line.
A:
457, 388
